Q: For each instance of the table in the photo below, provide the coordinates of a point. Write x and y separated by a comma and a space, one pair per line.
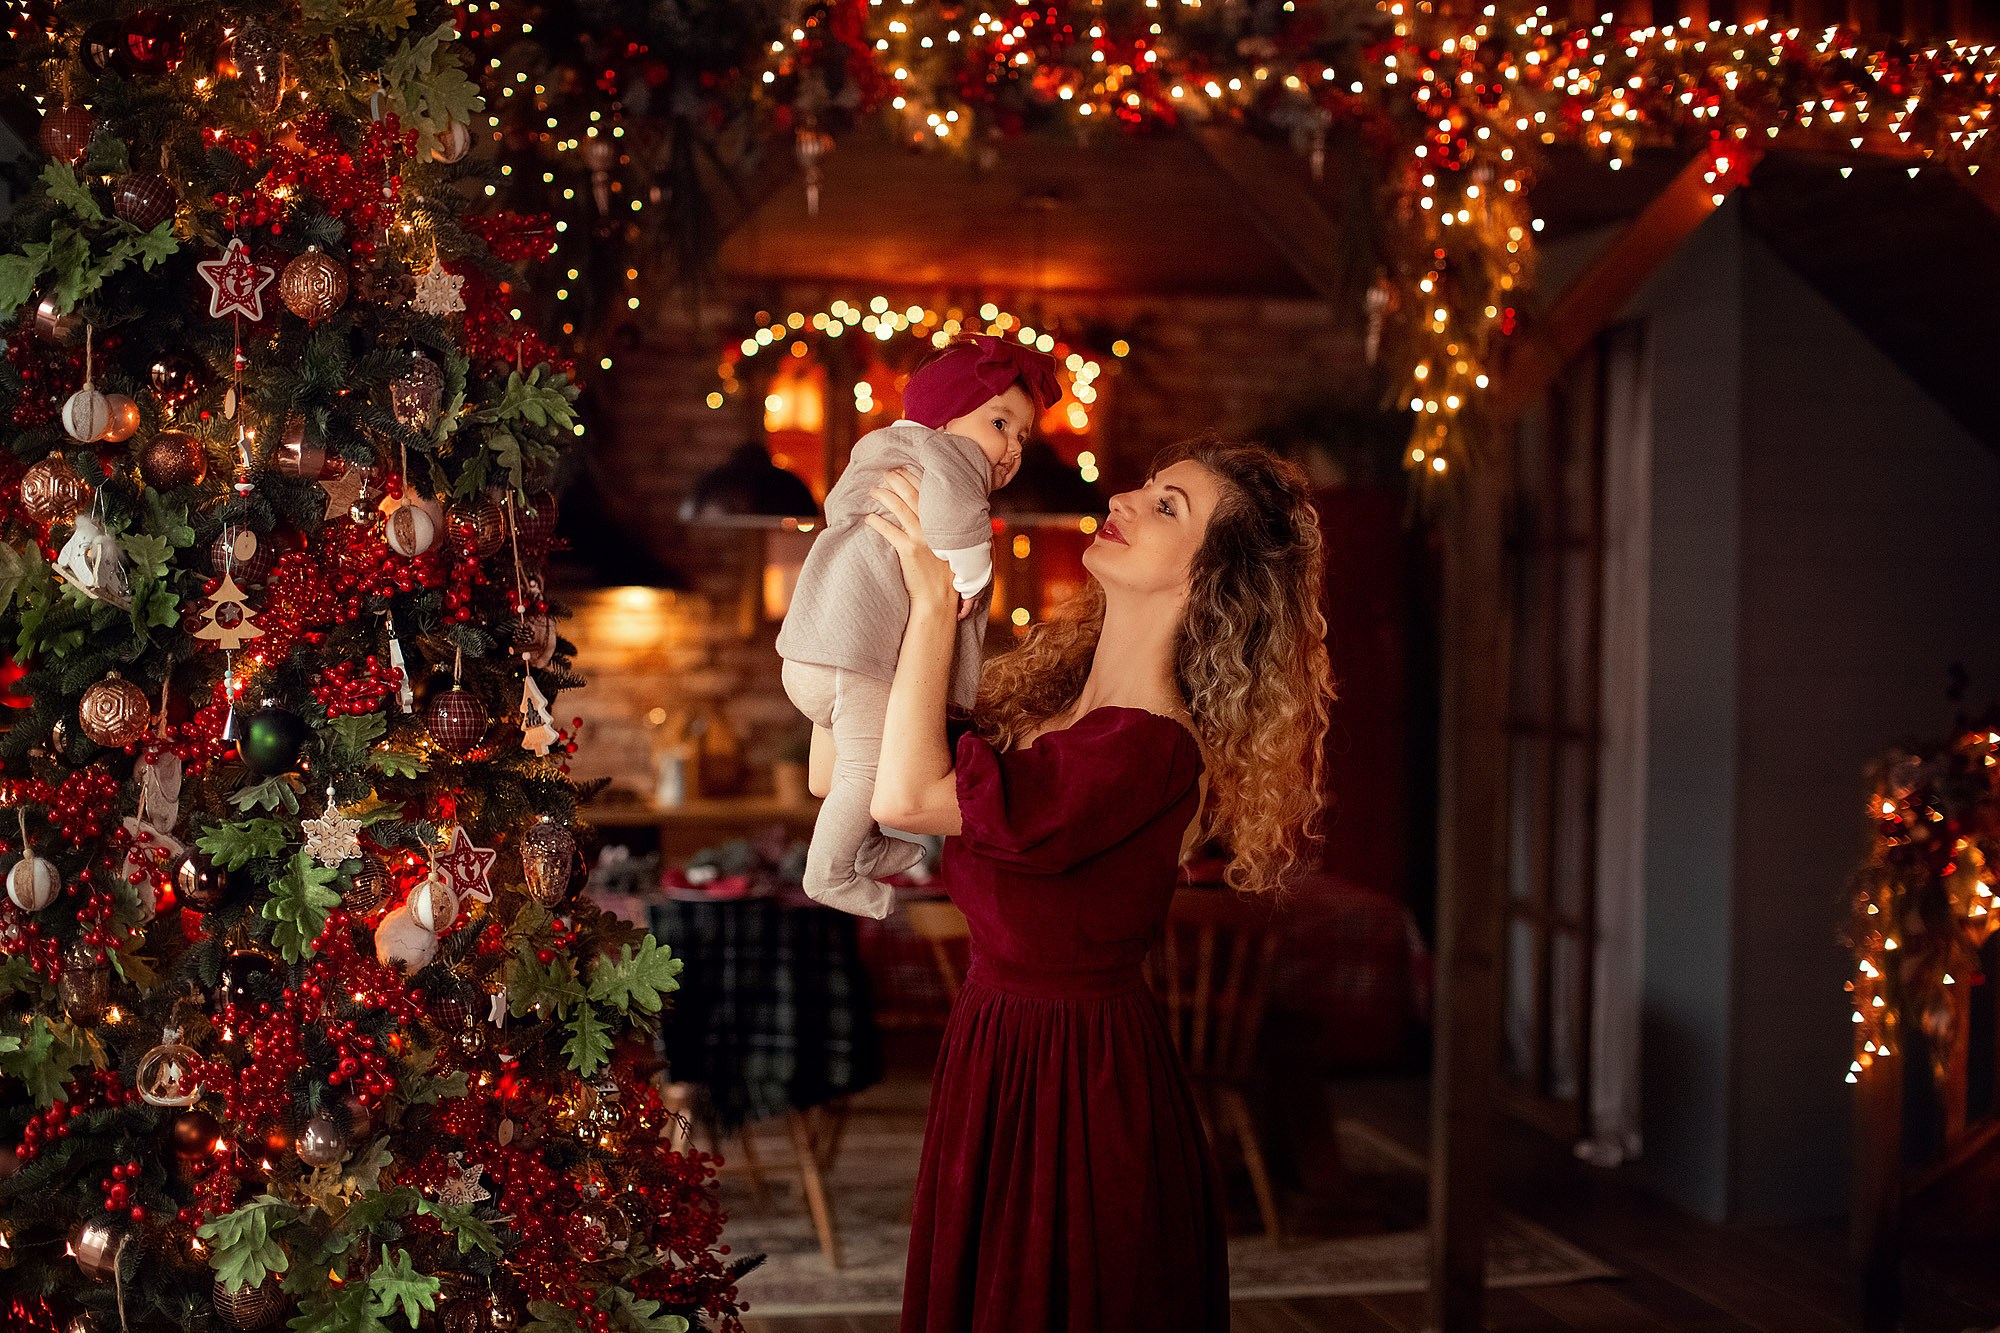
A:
688, 828
774, 1013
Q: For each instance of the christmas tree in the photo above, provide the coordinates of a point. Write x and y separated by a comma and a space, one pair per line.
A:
300, 1019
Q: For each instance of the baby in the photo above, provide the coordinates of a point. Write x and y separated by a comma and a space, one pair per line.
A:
967, 412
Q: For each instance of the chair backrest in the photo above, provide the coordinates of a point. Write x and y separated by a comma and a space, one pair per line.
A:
938, 922
1212, 970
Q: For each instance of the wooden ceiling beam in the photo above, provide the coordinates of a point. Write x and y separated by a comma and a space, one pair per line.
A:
1281, 206
1592, 301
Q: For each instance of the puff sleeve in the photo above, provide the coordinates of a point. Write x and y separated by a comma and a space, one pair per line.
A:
1074, 793
952, 502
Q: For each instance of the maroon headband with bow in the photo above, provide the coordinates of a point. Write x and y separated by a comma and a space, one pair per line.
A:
973, 369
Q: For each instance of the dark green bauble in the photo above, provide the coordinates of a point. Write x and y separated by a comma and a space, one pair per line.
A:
271, 740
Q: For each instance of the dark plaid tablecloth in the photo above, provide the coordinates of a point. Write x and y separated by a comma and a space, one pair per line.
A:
774, 1012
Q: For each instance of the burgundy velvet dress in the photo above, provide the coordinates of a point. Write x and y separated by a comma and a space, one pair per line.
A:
1066, 1183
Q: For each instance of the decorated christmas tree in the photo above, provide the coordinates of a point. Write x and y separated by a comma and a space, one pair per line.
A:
300, 1018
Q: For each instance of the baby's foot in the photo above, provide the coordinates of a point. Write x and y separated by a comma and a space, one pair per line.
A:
882, 856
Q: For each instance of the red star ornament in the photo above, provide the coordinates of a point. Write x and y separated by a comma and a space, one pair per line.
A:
236, 283
469, 868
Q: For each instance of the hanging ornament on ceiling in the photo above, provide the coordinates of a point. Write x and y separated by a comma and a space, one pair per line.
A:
438, 291
236, 282
171, 460
313, 286
52, 492
93, 562
230, 620
467, 868
114, 712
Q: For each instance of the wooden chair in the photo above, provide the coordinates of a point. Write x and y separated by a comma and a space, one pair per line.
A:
1212, 971
938, 922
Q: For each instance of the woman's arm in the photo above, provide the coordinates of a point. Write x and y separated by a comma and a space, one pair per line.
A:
915, 788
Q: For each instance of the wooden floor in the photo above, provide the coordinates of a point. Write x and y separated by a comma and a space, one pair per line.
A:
1680, 1273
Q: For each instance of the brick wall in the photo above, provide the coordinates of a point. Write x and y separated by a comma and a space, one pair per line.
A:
1234, 365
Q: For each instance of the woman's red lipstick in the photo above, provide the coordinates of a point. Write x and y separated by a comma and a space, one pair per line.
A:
1110, 533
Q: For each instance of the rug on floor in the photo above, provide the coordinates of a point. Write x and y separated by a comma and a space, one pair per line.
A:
872, 1181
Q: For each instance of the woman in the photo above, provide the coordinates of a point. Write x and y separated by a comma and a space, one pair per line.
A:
1065, 1181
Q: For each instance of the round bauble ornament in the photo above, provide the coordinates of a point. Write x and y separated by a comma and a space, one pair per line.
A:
245, 977
200, 883
261, 1306
260, 65
547, 853
33, 883
65, 133
500, 1314
271, 740
52, 325
242, 554
369, 888
296, 455
454, 143
144, 199
51, 492
194, 1134
535, 523
478, 526
416, 394
176, 377
313, 286
166, 1074
114, 712
433, 905
144, 45
410, 530
124, 414
598, 1229
401, 943
96, 1245
171, 460
84, 989
321, 1143
456, 719
86, 414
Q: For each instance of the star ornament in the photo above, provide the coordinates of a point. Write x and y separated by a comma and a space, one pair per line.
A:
236, 283
438, 291
461, 1189
469, 868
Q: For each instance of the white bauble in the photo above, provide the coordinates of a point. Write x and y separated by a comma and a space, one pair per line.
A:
33, 883
87, 414
401, 943
410, 530
433, 905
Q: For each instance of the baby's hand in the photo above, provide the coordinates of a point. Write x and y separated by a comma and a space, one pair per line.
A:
964, 606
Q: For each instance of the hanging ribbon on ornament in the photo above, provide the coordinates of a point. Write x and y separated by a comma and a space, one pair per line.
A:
406, 698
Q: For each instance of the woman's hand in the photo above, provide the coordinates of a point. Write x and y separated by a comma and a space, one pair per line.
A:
925, 575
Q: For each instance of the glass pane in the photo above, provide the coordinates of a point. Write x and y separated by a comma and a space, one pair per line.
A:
1565, 1073
1519, 1040
1575, 869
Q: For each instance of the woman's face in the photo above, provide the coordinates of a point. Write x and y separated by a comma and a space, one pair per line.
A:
1148, 541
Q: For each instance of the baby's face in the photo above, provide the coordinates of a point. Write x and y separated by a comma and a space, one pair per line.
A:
1000, 427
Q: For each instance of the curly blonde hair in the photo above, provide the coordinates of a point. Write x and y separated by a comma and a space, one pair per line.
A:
1249, 660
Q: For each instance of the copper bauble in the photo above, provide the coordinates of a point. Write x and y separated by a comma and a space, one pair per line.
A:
261, 1306
95, 1245
54, 325
297, 455
124, 418
173, 459
200, 883
547, 853
313, 286
51, 491
457, 720
321, 1143
195, 1133
144, 199
65, 133
114, 712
